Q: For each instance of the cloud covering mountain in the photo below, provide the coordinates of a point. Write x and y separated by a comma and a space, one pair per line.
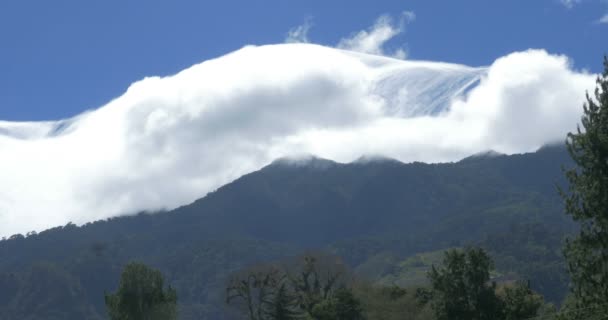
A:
167, 141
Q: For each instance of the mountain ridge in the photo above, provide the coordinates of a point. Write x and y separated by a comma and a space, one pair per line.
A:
355, 210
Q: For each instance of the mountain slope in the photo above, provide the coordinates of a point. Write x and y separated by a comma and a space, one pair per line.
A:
357, 210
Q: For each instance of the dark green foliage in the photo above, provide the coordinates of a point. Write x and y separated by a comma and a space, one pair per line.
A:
142, 295
343, 305
532, 251
355, 211
310, 286
461, 287
284, 304
44, 291
462, 290
586, 202
392, 303
520, 302
315, 278
261, 292
423, 295
571, 309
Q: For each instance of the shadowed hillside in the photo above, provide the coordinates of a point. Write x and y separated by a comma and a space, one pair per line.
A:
361, 211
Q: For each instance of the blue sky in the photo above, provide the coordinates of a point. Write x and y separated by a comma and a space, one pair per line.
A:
59, 58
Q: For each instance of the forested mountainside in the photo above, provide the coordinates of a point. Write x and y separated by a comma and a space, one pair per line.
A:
381, 216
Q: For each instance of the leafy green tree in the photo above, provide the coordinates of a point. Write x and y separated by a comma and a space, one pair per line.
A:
461, 288
586, 200
141, 295
266, 292
284, 305
391, 302
520, 302
342, 306
315, 279
263, 293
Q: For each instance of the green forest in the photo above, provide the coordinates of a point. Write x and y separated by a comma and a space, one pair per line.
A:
387, 222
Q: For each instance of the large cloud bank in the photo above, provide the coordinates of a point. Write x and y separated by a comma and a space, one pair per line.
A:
168, 141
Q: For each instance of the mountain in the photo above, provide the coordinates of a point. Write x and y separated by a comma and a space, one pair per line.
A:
371, 208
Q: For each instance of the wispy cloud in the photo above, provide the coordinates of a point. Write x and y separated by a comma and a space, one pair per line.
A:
374, 39
570, 3
603, 19
299, 34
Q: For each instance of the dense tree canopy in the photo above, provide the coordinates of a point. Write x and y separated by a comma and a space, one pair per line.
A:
461, 287
142, 296
311, 287
587, 202
462, 290
343, 305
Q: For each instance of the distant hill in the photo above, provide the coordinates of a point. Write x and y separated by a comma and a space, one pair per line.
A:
362, 211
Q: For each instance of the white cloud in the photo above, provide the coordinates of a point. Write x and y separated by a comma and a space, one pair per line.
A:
603, 19
570, 3
373, 40
168, 141
299, 34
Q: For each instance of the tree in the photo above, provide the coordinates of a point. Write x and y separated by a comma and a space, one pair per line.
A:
520, 302
141, 295
311, 283
342, 306
461, 288
586, 201
260, 292
315, 279
284, 305
391, 302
